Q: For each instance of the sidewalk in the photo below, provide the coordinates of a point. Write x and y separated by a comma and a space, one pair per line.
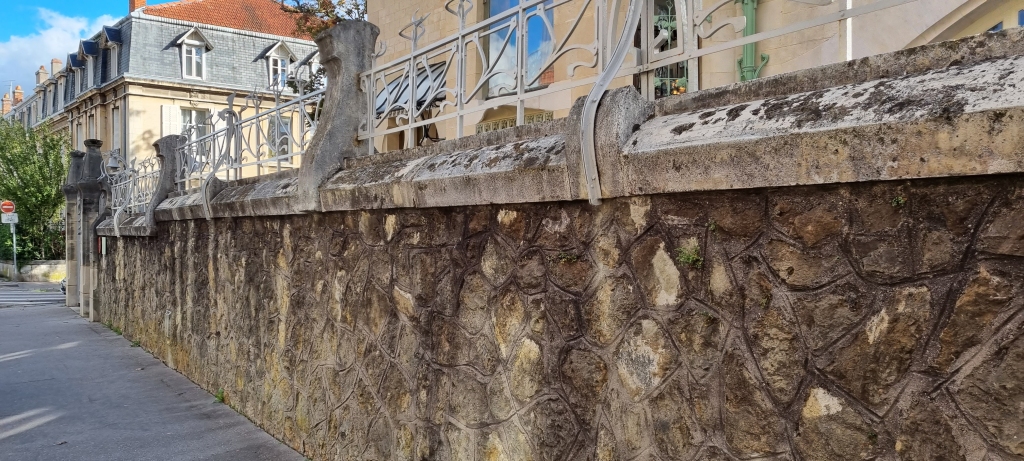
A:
74, 390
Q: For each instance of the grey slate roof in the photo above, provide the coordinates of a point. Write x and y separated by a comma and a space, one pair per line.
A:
89, 47
74, 62
113, 34
237, 60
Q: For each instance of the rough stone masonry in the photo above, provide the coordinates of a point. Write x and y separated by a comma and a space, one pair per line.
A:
727, 301
871, 321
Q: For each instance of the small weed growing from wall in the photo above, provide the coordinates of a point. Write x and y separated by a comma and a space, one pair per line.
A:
135, 344
712, 226
899, 201
219, 395
689, 254
565, 257
111, 326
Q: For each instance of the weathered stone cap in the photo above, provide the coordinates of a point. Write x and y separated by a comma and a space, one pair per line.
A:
954, 121
911, 61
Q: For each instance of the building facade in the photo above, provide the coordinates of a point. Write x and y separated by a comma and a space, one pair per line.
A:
560, 34
168, 69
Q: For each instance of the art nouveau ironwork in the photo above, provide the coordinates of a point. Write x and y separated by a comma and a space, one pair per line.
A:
456, 76
132, 185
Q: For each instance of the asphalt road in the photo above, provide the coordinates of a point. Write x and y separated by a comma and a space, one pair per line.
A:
74, 390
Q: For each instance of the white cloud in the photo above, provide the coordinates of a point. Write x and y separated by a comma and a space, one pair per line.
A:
58, 35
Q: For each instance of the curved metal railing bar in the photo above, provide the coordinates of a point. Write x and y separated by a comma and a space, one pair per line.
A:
131, 186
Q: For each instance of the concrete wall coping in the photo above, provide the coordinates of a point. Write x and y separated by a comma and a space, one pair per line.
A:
963, 52
950, 109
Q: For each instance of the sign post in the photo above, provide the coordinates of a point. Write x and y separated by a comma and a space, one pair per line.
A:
10, 217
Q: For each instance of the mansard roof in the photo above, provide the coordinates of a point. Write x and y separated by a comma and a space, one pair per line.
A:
263, 16
196, 35
89, 47
113, 34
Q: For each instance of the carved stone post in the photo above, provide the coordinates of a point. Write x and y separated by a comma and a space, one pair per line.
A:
73, 227
90, 208
166, 151
346, 50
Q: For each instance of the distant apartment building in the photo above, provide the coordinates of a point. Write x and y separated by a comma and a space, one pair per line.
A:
560, 42
165, 68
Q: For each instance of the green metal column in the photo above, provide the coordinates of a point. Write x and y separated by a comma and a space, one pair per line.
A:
748, 67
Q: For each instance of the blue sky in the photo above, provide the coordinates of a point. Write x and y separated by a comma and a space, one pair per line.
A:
47, 29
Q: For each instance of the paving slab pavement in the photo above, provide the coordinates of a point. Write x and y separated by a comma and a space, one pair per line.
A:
74, 390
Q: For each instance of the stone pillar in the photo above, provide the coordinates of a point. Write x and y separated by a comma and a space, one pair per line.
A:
72, 228
166, 148
346, 50
90, 210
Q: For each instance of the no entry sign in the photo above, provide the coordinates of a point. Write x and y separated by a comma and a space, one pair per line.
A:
7, 206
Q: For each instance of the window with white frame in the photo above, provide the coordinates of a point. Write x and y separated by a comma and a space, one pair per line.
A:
193, 59
113, 61
195, 122
88, 71
194, 47
279, 66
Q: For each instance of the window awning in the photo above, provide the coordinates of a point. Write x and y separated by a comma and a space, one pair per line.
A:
398, 89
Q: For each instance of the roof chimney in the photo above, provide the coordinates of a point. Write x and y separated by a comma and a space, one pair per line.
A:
7, 104
55, 66
135, 4
18, 95
41, 75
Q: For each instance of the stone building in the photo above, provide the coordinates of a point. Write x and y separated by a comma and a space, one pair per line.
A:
164, 67
886, 30
162, 70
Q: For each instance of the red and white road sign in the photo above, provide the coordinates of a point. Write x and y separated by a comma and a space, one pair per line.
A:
7, 206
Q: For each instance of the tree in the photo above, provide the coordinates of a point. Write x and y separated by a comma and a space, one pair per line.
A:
315, 16
33, 167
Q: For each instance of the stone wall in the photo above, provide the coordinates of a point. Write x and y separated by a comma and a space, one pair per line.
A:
859, 321
35, 271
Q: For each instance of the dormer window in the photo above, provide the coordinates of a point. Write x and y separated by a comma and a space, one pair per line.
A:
113, 60
113, 40
193, 54
279, 64
89, 71
279, 70
89, 51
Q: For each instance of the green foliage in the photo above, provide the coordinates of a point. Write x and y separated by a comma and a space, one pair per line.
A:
33, 167
899, 201
111, 326
565, 257
136, 343
689, 254
219, 395
315, 16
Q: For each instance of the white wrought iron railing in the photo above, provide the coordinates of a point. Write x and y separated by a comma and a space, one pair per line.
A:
230, 146
539, 47
132, 184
